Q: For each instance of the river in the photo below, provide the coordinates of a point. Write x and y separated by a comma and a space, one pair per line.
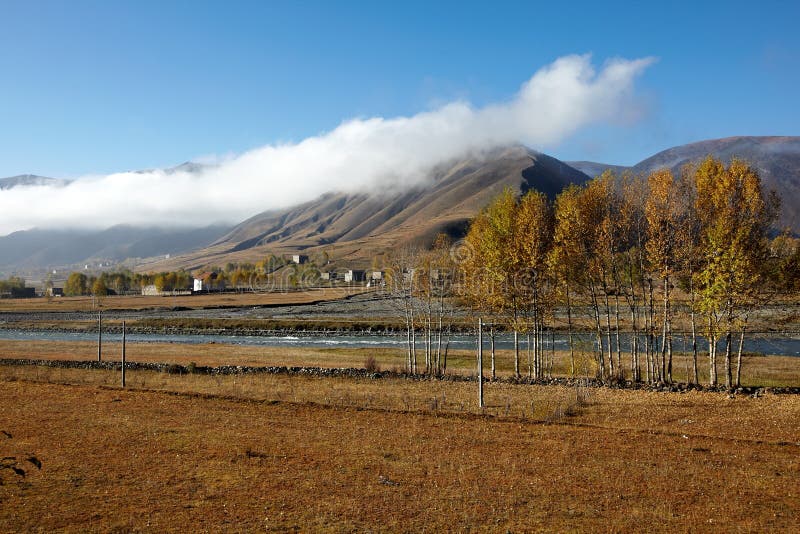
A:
772, 344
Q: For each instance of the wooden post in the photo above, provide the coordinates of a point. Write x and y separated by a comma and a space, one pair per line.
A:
99, 336
123, 353
480, 364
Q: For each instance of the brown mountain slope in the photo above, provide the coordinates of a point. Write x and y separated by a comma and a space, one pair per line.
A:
776, 158
356, 227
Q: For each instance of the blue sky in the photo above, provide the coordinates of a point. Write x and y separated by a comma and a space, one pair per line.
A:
100, 87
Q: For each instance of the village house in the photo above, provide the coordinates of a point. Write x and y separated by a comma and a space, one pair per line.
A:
151, 291
355, 275
299, 259
376, 278
207, 281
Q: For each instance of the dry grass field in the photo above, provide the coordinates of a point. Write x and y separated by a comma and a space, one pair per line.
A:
290, 453
212, 300
757, 370
165, 456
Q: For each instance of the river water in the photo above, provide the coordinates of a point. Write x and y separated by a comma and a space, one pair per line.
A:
787, 345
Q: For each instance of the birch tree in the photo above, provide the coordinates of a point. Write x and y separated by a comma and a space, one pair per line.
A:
734, 218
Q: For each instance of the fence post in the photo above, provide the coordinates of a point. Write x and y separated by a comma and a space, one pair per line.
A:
99, 336
123, 353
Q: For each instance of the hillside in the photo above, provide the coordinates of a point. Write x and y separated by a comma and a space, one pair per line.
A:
593, 168
776, 158
35, 249
358, 226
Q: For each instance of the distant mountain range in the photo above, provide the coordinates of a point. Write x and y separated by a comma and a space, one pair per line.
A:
36, 249
29, 180
355, 227
776, 158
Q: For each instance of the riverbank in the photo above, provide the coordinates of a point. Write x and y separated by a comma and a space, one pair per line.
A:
757, 371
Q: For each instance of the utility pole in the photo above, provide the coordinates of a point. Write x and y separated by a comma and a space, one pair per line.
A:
480, 363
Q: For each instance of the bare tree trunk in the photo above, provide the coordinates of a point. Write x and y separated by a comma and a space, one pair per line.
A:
538, 329
444, 356
694, 340
600, 349
712, 354
609, 348
480, 363
616, 332
728, 332
668, 325
530, 360
409, 327
413, 343
99, 336
516, 353
651, 331
408, 341
728, 370
635, 370
739, 355
539, 354
428, 345
491, 337
439, 334
427, 323
663, 360
569, 332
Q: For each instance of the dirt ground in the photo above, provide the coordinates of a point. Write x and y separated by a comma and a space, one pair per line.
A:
117, 460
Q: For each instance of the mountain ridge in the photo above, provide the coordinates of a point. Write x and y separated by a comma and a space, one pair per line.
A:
359, 225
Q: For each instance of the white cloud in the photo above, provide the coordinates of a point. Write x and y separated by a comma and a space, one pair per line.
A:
358, 155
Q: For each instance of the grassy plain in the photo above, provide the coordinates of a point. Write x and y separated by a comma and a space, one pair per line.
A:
211, 300
294, 453
757, 370
132, 460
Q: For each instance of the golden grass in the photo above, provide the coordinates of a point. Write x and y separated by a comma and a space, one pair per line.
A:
123, 460
138, 302
769, 371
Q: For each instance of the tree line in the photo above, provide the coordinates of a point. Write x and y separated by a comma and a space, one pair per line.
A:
637, 254
241, 276
627, 246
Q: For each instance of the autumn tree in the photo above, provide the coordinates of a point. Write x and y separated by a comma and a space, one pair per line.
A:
665, 216
99, 288
631, 264
76, 285
734, 217
534, 228
494, 266
567, 257
506, 269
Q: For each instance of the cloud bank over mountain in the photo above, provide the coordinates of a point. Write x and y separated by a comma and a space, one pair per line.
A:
378, 155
